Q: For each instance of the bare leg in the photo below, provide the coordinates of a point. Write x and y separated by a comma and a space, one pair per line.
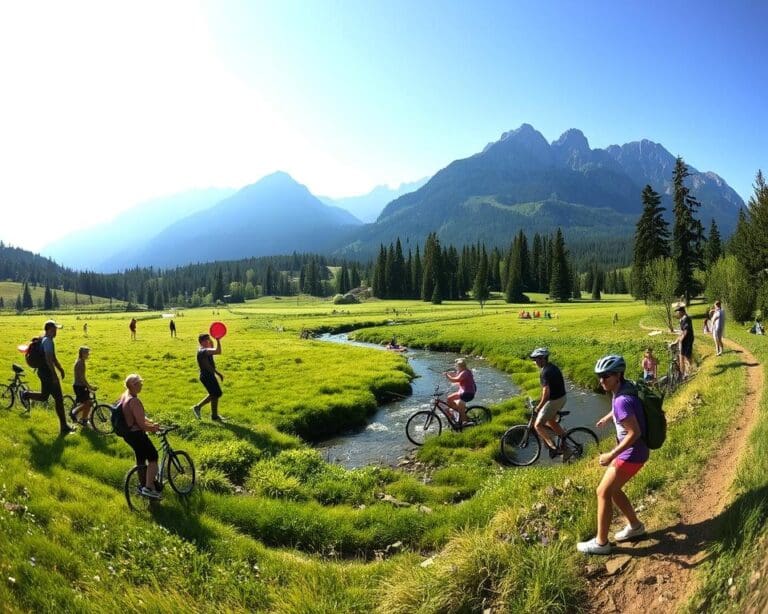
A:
611, 484
544, 433
151, 475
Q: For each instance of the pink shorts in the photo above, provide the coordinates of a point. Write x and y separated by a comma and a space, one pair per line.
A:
626, 469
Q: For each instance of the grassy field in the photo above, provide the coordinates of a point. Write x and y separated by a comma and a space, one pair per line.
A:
10, 290
275, 528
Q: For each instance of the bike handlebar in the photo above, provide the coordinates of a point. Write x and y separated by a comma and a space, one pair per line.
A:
164, 430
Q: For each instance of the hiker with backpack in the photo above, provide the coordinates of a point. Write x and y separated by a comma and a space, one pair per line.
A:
133, 428
622, 462
41, 355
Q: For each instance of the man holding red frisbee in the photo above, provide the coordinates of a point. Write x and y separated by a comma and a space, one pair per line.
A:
208, 374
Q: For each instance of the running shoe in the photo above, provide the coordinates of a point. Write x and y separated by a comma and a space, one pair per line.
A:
592, 547
196, 411
628, 532
151, 494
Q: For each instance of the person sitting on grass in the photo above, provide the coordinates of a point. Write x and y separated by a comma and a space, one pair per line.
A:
467, 388
650, 365
625, 459
208, 373
136, 437
82, 389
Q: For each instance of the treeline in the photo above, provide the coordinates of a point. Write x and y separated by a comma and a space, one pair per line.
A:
446, 273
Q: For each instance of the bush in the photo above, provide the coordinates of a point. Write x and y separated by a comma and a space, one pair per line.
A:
345, 299
270, 481
232, 458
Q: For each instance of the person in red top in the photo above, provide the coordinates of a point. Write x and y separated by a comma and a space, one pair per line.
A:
463, 377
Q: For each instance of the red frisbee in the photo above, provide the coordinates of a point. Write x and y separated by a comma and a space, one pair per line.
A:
217, 330
23, 348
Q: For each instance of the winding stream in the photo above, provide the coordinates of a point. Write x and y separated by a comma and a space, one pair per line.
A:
383, 441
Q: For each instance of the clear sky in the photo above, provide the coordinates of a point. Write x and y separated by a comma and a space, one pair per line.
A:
105, 104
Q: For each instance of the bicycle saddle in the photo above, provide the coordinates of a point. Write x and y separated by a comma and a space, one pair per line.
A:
17, 369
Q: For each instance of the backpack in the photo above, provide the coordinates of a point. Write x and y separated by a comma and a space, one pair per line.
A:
655, 419
116, 417
35, 356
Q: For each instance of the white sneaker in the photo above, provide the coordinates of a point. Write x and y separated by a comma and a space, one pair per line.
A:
148, 492
628, 532
592, 547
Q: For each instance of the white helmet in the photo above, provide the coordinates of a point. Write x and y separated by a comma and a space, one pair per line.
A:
540, 353
610, 364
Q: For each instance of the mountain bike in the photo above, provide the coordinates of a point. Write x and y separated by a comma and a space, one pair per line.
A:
175, 466
428, 423
11, 392
100, 413
521, 446
668, 383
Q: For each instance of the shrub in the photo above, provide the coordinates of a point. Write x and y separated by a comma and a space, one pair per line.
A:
232, 458
270, 481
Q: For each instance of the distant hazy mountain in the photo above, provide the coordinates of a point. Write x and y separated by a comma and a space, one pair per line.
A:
522, 181
275, 215
368, 206
95, 247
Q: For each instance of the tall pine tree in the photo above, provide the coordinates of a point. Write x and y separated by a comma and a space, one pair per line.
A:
651, 240
687, 233
560, 279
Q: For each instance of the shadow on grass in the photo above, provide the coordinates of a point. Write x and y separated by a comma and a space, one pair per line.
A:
262, 441
182, 517
44, 454
733, 364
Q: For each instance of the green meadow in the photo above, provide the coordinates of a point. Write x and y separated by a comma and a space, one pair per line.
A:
271, 525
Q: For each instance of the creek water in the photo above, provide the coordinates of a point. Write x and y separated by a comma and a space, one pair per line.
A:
383, 440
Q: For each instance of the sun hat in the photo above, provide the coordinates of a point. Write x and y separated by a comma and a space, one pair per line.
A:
49, 324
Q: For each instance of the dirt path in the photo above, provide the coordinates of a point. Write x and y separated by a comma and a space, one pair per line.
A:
658, 572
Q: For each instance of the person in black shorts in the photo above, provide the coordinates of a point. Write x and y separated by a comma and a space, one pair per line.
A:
136, 437
552, 401
82, 389
685, 340
208, 374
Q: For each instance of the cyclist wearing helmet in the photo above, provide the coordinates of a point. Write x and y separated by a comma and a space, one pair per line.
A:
552, 401
625, 459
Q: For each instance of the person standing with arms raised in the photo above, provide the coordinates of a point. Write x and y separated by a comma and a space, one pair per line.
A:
208, 373
50, 384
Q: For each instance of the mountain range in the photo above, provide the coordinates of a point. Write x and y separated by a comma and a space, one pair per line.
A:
519, 182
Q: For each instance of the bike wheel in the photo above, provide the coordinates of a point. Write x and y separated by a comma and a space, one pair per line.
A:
22, 388
101, 419
421, 426
69, 403
181, 472
578, 440
133, 482
478, 414
6, 396
520, 446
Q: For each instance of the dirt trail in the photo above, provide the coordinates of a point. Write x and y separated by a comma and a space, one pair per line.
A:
658, 572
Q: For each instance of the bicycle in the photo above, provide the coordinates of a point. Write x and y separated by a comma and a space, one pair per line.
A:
176, 467
100, 413
13, 390
668, 383
427, 423
521, 445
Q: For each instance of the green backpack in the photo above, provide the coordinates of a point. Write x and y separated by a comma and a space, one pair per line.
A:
655, 420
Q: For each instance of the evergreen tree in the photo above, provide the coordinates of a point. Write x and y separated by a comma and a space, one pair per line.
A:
651, 239
714, 247
342, 282
19, 305
687, 233
560, 280
55, 301
480, 289
218, 286
47, 298
750, 241
2, 303
26, 297
597, 283
354, 277
416, 277
399, 273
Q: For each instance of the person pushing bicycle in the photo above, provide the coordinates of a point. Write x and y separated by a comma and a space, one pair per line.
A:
552, 401
467, 388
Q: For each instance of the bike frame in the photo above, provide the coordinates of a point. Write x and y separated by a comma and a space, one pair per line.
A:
438, 403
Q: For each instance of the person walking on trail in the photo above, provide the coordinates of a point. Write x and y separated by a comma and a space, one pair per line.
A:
467, 388
552, 401
684, 341
132, 327
622, 462
208, 374
50, 383
172, 326
718, 327
82, 389
136, 437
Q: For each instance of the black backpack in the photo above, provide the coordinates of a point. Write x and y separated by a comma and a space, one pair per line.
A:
116, 417
655, 419
35, 356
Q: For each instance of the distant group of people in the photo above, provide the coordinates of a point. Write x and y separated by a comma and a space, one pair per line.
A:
527, 315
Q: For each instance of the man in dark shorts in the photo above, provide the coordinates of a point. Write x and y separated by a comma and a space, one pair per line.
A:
685, 340
208, 373
552, 401
50, 384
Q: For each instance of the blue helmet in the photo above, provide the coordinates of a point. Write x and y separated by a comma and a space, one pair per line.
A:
612, 363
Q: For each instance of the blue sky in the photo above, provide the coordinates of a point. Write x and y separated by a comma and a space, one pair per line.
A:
115, 103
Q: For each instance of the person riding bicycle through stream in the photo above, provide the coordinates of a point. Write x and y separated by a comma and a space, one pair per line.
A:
625, 459
135, 418
551, 402
467, 388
